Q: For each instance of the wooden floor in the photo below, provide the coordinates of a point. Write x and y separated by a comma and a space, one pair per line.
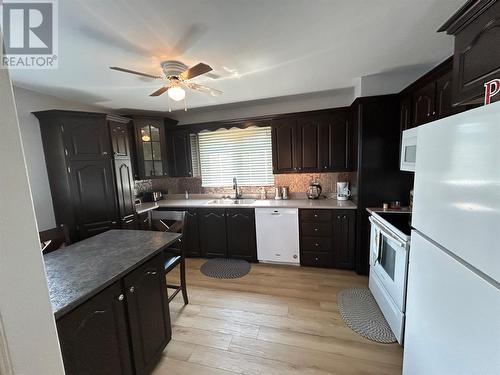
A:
275, 320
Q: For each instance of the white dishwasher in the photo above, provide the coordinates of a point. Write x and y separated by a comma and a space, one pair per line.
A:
277, 235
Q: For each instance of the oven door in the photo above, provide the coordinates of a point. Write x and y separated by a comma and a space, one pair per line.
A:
389, 260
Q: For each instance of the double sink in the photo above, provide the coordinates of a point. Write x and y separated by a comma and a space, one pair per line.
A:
231, 201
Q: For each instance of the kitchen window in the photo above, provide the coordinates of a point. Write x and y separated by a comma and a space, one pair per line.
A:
242, 153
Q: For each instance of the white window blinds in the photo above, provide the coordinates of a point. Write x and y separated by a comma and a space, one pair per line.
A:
242, 153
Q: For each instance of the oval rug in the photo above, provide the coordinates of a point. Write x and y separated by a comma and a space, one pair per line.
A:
223, 268
361, 313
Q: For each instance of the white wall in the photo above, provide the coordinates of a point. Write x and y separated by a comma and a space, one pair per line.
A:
391, 82
28, 325
26, 102
273, 106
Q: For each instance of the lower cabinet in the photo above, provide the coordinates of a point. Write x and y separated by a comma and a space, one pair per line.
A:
143, 222
327, 238
227, 233
344, 237
192, 236
122, 330
148, 314
212, 223
241, 237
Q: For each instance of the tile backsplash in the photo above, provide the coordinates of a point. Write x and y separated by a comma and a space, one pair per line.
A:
297, 183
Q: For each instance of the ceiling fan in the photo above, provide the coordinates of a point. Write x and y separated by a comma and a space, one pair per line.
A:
178, 76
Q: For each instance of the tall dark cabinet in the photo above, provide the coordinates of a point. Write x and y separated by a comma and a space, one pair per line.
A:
376, 122
89, 168
121, 135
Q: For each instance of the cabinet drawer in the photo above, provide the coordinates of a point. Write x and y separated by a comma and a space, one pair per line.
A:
316, 229
315, 215
316, 243
316, 259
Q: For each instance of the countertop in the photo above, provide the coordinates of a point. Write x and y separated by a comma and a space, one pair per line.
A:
79, 271
259, 203
402, 210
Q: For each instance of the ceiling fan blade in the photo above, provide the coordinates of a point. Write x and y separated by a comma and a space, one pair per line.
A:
135, 72
195, 71
203, 88
160, 91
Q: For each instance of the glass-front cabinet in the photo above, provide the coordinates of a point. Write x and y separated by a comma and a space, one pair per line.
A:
151, 147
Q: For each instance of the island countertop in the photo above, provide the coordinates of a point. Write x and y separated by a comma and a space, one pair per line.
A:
80, 271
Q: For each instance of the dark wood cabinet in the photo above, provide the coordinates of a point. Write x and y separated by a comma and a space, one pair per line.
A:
94, 337
429, 98
85, 135
476, 59
143, 221
212, 225
307, 144
124, 188
334, 142
89, 163
241, 240
193, 237
119, 128
344, 238
405, 113
284, 137
327, 238
92, 196
123, 329
148, 313
313, 142
179, 153
423, 104
151, 147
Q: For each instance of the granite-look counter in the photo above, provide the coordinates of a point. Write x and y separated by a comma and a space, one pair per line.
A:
80, 271
330, 204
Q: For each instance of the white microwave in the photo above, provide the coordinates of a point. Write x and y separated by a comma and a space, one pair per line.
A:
409, 150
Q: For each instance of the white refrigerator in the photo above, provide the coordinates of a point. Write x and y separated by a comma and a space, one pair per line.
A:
453, 295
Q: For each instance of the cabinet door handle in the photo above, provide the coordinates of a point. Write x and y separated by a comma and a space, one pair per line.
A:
338, 217
316, 259
315, 215
121, 297
152, 272
132, 289
105, 153
315, 229
316, 244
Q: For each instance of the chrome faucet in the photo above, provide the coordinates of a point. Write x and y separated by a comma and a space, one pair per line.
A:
237, 194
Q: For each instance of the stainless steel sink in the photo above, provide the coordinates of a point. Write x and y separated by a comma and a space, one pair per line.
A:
231, 201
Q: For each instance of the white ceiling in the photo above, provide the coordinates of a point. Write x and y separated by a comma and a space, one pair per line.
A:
277, 47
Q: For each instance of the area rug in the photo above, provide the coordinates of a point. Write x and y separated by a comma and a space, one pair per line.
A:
222, 268
360, 312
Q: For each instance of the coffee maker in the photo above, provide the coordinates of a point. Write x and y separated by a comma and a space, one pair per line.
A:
343, 192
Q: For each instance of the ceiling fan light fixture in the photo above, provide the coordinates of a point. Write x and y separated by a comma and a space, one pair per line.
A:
176, 93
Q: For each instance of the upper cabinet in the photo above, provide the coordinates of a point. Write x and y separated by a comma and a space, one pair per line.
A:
429, 98
313, 142
179, 153
121, 136
476, 60
284, 136
151, 147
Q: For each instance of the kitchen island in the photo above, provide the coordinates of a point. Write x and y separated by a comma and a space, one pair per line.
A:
109, 298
